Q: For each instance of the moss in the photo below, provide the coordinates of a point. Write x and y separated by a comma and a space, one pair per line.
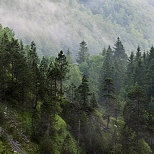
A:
59, 141
26, 122
5, 147
144, 148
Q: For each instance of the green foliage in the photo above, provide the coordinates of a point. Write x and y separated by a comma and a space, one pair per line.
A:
98, 22
83, 53
48, 107
144, 147
84, 92
2, 147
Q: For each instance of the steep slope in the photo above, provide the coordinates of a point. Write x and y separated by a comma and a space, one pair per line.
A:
56, 25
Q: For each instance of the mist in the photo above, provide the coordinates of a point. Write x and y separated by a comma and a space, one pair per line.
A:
56, 25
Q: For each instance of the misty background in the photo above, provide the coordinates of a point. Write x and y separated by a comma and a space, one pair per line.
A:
56, 24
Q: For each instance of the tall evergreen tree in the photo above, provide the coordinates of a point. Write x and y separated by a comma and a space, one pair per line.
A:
130, 70
69, 57
107, 70
62, 64
83, 52
150, 73
135, 111
139, 68
109, 98
120, 65
84, 92
93, 101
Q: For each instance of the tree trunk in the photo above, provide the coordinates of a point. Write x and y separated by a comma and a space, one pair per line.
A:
108, 121
61, 90
79, 129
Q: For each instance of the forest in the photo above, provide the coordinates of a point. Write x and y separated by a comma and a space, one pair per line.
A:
94, 104
57, 25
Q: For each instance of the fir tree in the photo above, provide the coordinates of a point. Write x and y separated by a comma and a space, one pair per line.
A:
109, 98
93, 101
84, 93
62, 64
135, 112
107, 70
69, 57
120, 65
83, 53
131, 70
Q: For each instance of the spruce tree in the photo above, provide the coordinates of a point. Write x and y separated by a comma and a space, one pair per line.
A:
107, 70
135, 111
93, 101
130, 70
69, 57
140, 73
109, 98
62, 64
84, 92
83, 53
120, 65
150, 73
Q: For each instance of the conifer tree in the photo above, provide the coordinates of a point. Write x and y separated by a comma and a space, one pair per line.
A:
69, 57
130, 70
33, 61
135, 111
139, 68
109, 98
43, 66
120, 65
150, 73
44, 83
62, 64
119, 51
83, 53
107, 70
53, 77
93, 101
84, 92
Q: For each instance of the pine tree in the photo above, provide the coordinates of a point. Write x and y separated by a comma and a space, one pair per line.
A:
135, 111
83, 53
120, 65
69, 57
62, 64
53, 77
4, 64
139, 76
83, 91
43, 66
109, 98
103, 53
119, 51
93, 101
43, 83
150, 73
107, 70
131, 70
33, 61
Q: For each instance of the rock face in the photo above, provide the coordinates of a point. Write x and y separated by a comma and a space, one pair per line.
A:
56, 25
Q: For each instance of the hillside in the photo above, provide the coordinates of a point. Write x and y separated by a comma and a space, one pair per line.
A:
102, 104
56, 25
